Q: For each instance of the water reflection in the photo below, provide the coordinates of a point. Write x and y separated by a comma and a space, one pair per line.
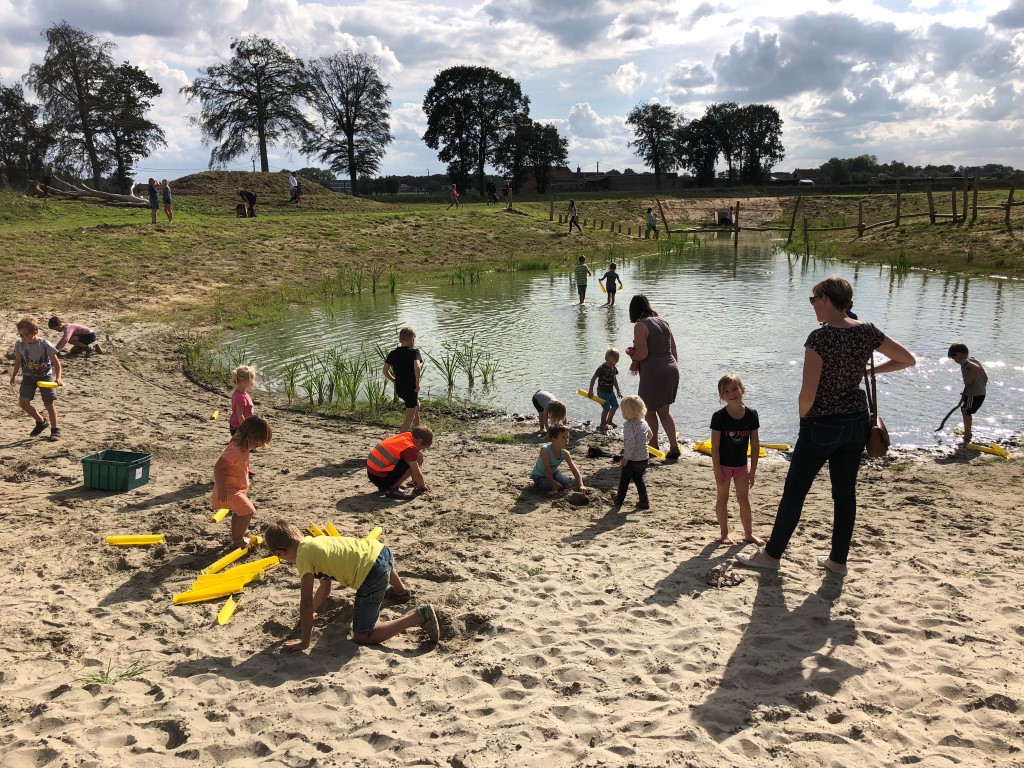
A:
739, 310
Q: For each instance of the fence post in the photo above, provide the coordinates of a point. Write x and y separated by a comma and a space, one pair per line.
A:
931, 203
807, 243
792, 222
860, 219
551, 211
964, 217
954, 206
898, 201
1009, 199
974, 197
736, 226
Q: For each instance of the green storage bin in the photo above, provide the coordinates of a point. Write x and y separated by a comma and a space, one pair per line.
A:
116, 470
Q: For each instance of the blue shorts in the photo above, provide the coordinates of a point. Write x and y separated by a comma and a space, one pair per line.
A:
370, 594
560, 477
610, 401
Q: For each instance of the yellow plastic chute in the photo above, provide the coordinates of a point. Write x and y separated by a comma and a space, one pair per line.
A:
214, 592
595, 398
219, 515
375, 533
135, 541
331, 530
225, 561
313, 529
227, 611
704, 446
601, 283
993, 448
206, 581
264, 564
655, 452
776, 446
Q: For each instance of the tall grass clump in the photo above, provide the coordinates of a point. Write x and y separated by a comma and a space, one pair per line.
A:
448, 363
289, 378
468, 359
900, 264
376, 390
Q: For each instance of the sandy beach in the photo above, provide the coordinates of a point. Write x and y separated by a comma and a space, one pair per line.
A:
572, 635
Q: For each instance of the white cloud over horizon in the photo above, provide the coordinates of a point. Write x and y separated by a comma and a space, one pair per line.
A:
848, 78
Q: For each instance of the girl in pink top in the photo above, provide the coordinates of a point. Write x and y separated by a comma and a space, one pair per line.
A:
231, 475
244, 379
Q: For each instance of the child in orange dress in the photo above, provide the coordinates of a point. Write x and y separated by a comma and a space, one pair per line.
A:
231, 476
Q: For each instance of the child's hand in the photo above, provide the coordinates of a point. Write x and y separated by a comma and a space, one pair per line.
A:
584, 489
623, 463
295, 645
750, 480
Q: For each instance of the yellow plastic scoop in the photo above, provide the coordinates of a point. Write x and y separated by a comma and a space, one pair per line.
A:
227, 611
48, 384
595, 398
135, 541
219, 515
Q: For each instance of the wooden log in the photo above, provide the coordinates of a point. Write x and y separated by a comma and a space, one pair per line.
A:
974, 197
931, 202
551, 211
1009, 198
792, 221
954, 206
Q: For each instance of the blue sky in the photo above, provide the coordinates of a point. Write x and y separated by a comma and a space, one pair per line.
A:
928, 81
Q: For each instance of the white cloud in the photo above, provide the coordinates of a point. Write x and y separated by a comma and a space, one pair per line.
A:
626, 79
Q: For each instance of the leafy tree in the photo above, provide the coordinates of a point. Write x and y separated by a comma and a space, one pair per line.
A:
69, 83
655, 128
760, 142
836, 171
251, 101
698, 150
548, 150
470, 111
319, 175
126, 134
24, 141
352, 127
511, 156
727, 121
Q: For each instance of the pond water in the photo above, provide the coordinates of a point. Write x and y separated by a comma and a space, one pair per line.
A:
739, 310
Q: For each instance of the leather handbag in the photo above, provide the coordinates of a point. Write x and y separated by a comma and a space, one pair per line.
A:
878, 438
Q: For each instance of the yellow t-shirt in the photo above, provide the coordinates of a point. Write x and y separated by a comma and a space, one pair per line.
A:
343, 558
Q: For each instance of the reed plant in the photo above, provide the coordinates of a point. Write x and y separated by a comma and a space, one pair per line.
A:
377, 270
392, 280
352, 374
448, 363
488, 369
468, 359
289, 377
376, 390
900, 264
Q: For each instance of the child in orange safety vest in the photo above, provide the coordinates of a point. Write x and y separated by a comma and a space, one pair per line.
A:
396, 459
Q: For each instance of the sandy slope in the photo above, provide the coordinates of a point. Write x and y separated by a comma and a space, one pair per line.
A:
572, 635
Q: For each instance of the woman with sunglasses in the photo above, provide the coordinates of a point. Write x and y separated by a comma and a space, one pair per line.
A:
834, 421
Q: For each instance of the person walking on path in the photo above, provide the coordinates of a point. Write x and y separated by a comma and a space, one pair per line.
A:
574, 217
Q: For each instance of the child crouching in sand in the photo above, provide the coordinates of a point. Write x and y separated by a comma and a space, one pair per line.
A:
398, 458
546, 474
365, 565
231, 476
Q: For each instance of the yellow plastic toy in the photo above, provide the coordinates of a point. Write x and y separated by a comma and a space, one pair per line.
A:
993, 448
776, 446
227, 611
331, 530
375, 533
256, 565
655, 452
315, 531
48, 384
219, 515
595, 398
214, 592
601, 283
135, 541
704, 446
216, 415
225, 561
207, 580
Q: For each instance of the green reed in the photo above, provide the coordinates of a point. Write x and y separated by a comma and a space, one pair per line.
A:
488, 369
352, 373
468, 359
289, 376
377, 270
376, 390
448, 363
392, 280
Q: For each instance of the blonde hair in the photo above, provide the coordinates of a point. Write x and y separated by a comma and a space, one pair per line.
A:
633, 407
406, 333
556, 411
613, 353
243, 373
838, 291
281, 535
727, 381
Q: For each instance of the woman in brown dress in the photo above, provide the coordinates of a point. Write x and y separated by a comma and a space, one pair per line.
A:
654, 350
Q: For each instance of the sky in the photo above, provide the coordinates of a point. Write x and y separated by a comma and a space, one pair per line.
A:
925, 81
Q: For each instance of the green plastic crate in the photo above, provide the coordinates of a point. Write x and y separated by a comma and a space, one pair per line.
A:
116, 470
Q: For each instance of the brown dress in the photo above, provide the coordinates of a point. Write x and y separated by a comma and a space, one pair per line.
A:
659, 374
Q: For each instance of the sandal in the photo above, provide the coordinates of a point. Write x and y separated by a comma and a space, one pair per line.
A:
721, 576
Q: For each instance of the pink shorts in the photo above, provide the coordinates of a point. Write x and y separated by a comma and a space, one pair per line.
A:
731, 472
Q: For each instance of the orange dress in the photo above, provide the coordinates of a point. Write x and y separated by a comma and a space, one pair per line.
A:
231, 481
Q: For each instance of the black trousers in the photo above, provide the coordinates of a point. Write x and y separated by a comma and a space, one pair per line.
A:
633, 472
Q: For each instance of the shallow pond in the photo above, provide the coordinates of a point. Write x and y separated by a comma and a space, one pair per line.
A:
739, 310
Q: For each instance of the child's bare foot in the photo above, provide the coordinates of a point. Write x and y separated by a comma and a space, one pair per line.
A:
727, 539
752, 539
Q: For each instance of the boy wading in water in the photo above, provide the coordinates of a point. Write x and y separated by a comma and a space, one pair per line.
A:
975, 381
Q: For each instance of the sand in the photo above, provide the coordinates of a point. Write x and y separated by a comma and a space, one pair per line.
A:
572, 634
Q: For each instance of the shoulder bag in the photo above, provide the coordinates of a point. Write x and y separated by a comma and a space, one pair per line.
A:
878, 438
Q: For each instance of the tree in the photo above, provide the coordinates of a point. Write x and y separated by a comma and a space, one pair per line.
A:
69, 83
352, 128
697, 149
512, 155
548, 150
319, 175
126, 134
470, 111
252, 101
760, 142
655, 128
726, 120
24, 141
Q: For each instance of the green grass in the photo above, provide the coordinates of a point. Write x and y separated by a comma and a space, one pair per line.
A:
109, 677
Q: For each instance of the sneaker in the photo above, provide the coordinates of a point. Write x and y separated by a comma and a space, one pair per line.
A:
398, 493
88, 351
96, 349
38, 428
428, 623
55, 434
398, 597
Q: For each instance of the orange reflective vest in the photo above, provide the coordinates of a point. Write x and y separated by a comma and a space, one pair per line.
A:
385, 455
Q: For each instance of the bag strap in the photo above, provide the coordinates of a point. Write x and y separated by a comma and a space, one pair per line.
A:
871, 391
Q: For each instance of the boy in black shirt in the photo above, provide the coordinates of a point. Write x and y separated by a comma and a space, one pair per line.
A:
402, 366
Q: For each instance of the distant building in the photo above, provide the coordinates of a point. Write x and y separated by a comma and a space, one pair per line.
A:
812, 174
341, 185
